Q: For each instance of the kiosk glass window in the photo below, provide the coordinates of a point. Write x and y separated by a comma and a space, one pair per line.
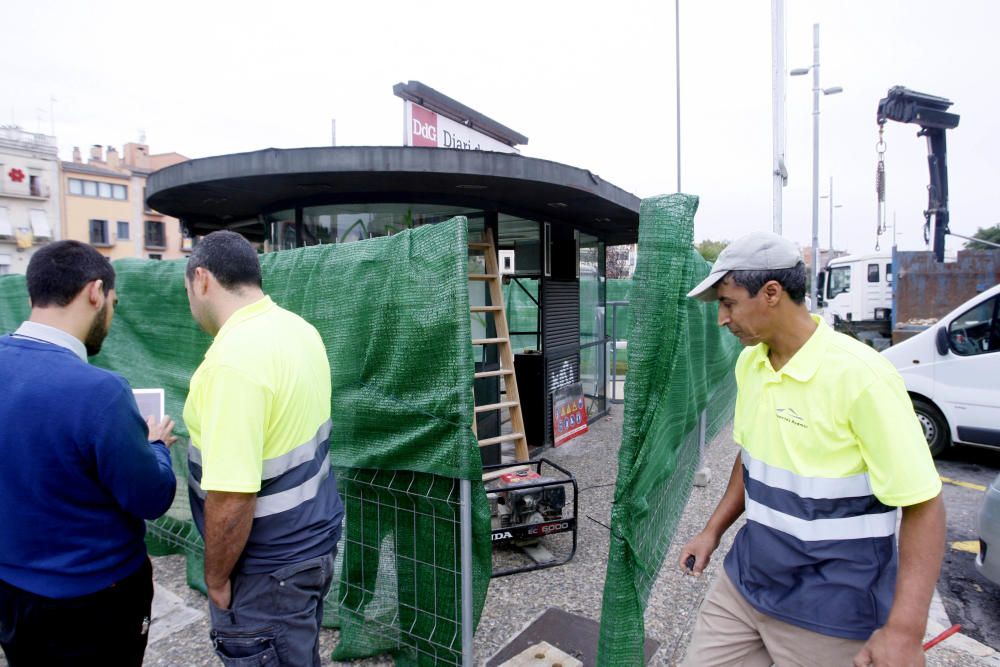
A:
520, 241
356, 222
281, 229
344, 223
593, 347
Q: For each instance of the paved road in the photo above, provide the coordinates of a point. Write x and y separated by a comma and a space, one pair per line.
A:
969, 598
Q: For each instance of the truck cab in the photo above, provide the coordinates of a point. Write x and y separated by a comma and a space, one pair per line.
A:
951, 370
857, 288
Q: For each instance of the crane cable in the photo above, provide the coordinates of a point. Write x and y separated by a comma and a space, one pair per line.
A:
880, 185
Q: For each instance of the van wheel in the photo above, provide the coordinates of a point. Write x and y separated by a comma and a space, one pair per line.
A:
934, 424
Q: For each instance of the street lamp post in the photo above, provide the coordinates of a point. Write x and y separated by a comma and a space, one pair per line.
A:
832, 206
815, 184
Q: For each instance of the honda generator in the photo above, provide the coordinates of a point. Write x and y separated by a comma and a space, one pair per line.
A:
529, 502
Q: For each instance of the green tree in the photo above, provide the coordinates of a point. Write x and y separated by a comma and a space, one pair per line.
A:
710, 249
991, 234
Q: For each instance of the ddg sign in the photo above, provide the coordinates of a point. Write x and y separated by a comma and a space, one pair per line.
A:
426, 128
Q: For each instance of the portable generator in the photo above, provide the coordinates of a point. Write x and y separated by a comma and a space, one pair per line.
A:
527, 505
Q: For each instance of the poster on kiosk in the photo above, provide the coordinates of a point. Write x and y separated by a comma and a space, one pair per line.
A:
569, 413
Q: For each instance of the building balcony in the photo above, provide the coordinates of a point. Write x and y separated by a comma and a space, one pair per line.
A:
38, 192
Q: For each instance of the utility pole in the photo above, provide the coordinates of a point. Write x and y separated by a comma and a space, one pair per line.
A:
779, 177
677, 62
815, 201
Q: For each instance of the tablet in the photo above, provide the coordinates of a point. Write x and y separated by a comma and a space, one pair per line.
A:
150, 402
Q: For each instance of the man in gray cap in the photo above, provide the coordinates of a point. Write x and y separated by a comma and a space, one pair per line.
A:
829, 449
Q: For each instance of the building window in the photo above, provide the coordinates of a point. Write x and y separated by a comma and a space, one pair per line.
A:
35, 186
122, 230
39, 223
155, 256
155, 234
100, 189
6, 229
99, 233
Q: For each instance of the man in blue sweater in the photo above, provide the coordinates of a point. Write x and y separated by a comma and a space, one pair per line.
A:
81, 471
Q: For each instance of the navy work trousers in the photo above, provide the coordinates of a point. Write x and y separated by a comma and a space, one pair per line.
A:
109, 627
274, 618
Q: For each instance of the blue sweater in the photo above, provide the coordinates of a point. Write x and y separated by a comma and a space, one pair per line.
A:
77, 475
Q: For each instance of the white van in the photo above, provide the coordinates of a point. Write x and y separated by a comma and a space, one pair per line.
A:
952, 372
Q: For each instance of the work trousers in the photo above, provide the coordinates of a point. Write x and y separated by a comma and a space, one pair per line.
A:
109, 627
729, 632
274, 618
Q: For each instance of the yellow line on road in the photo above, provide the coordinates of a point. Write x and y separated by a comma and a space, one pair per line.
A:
971, 546
967, 485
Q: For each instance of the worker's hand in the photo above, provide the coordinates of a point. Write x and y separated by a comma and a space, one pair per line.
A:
701, 548
221, 596
888, 647
163, 431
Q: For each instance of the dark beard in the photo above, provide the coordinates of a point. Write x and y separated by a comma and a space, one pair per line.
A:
98, 332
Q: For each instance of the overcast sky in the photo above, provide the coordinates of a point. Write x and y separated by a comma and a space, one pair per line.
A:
590, 83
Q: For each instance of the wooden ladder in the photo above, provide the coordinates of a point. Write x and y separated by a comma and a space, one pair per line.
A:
506, 353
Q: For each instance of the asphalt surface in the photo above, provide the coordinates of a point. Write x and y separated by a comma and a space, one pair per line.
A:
970, 599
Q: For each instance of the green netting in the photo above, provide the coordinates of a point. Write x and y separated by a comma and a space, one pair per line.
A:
13, 302
681, 363
394, 314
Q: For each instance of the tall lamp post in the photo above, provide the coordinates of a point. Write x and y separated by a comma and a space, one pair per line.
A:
815, 185
829, 196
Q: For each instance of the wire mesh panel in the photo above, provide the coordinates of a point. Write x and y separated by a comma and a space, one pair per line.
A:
400, 588
680, 364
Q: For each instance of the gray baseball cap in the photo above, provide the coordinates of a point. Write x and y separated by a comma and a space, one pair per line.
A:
759, 251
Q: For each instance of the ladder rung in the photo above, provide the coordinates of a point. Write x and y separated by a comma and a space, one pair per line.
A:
507, 437
495, 406
493, 374
483, 276
479, 245
486, 309
489, 341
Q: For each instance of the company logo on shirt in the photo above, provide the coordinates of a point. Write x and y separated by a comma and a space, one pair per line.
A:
791, 416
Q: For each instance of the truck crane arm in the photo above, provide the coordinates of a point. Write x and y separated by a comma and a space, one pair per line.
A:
930, 113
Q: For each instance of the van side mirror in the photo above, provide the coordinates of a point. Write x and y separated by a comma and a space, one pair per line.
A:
941, 341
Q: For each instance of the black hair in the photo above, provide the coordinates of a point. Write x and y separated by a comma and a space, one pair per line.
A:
792, 280
227, 256
58, 271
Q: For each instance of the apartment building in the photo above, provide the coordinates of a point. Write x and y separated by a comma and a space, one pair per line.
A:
104, 203
29, 195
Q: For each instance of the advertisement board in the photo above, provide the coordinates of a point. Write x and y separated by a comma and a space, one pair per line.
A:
569, 413
424, 127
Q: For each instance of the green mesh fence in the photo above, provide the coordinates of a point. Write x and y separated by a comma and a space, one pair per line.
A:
681, 363
394, 314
